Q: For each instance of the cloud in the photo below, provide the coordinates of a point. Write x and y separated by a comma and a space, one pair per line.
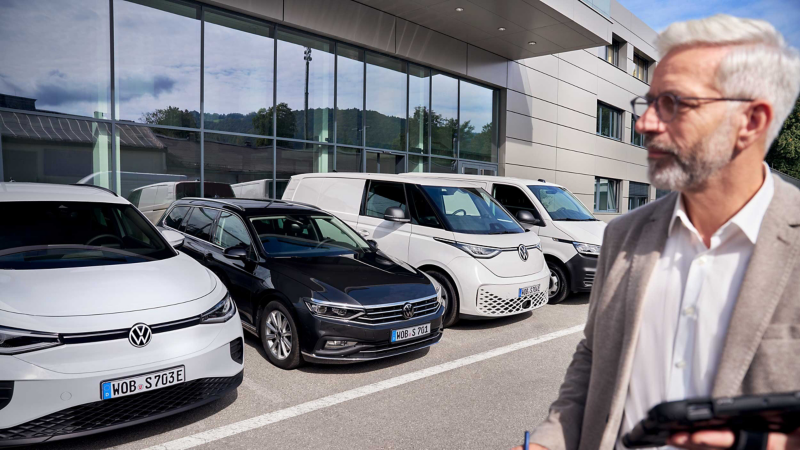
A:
132, 87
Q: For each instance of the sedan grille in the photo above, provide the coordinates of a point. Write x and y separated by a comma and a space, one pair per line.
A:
94, 417
394, 313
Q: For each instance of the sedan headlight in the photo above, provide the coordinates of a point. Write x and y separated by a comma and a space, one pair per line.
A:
587, 249
475, 250
221, 312
14, 341
332, 310
438, 288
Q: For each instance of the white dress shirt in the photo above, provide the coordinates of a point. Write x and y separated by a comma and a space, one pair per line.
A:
688, 305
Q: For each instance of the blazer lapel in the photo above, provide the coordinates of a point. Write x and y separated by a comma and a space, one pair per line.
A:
775, 254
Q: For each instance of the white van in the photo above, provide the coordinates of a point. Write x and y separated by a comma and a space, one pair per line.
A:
487, 264
253, 189
154, 199
571, 236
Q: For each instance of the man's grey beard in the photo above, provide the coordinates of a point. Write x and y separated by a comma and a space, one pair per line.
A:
691, 168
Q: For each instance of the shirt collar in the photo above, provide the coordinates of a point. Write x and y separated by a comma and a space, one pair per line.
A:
748, 219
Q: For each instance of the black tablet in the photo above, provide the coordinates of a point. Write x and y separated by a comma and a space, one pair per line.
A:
768, 412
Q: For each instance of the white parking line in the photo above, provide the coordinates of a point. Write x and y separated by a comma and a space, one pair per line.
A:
331, 400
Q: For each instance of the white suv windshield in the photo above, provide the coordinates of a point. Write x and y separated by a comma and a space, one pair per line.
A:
52, 235
471, 211
561, 204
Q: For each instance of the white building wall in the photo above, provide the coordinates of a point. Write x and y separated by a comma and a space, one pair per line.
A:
551, 115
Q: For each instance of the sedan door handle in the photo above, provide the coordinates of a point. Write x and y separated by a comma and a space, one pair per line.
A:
364, 233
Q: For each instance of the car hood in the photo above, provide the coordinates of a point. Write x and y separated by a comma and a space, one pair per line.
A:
88, 291
509, 263
367, 279
590, 232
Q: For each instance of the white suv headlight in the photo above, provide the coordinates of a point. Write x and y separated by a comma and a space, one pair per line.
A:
587, 249
14, 341
221, 312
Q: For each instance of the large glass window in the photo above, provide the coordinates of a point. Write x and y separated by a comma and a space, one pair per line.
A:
605, 195
638, 195
349, 94
419, 101
297, 157
444, 115
54, 150
441, 165
156, 155
348, 159
157, 62
478, 109
386, 102
55, 56
305, 86
608, 121
239, 161
238, 72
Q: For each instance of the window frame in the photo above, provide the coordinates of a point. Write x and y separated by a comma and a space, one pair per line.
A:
641, 68
368, 187
634, 135
241, 220
611, 181
533, 209
612, 48
616, 121
638, 198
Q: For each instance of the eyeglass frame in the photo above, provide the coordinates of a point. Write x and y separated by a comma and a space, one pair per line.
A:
677, 101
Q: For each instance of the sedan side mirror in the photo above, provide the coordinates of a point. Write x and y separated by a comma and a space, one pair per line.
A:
395, 214
526, 217
373, 243
174, 238
239, 253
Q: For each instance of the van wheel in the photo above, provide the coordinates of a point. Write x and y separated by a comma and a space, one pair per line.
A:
559, 288
450, 297
279, 336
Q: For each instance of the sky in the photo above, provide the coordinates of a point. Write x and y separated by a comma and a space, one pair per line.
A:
658, 14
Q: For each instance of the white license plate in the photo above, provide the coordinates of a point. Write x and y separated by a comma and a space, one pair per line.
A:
529, 290
142, 383
411, 332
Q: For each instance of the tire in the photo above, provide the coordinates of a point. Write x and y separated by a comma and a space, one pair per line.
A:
450, 296
559, 284
278, 331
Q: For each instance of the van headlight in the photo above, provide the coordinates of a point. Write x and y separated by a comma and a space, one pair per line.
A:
587, 249
332, 310
221, 312
14, 341
474, 250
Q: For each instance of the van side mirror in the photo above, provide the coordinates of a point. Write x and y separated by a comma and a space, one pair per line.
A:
174, 238
526, 217
239, 253
395, 214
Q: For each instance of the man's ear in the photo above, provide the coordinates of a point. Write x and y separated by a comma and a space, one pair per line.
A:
756, 120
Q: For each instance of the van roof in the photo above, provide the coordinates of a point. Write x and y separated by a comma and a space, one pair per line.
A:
406, 178
487, 178
45, 192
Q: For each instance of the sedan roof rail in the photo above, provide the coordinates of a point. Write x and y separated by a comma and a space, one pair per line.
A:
215, 200
98, 187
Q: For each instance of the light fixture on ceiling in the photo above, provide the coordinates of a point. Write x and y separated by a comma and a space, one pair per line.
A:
501, 29
531, 42
459, 9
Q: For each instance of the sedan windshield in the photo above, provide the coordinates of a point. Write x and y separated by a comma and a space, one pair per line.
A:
471, 211
304, 235
561, 204
53, 235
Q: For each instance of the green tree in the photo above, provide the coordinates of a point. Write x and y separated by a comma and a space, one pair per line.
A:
172, 116
784, 155
262, 121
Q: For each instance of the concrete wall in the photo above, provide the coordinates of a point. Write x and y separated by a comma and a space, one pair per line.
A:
551, 114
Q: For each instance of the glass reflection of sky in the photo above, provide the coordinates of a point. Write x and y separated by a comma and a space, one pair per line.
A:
476, 105
56, 53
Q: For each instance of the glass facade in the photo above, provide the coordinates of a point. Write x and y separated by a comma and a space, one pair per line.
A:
171, 90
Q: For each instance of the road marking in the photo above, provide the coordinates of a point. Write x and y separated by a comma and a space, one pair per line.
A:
315, 405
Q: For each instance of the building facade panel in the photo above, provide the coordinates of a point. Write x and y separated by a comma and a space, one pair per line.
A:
576, 76
532, 82
263, 9
576, 162
529, 129
486, 67
576, 140
611, 148
584, 59
532, 107
530, 173
578, 183
573, 97
531, 154
547, 64
428, 47
577, 120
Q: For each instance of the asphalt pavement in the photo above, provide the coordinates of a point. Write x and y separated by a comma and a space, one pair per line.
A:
480, 387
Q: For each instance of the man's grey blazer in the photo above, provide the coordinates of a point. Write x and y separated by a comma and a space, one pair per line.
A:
761, 351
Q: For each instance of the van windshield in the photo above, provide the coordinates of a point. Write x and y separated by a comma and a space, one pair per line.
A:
561, 204
471, 211
55, 235
303, 235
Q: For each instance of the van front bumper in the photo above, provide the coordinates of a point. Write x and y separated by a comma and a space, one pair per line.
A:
582, 270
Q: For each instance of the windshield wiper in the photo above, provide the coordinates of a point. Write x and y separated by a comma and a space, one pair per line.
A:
503, 232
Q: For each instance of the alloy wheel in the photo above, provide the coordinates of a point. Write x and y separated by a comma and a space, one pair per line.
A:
555, 285
279, 335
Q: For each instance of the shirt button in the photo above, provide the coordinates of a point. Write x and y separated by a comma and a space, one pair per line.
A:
680, 364
688, 311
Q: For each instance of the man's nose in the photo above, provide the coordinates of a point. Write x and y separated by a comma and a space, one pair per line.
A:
649, 122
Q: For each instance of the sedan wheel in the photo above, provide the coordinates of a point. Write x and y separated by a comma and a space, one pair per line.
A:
279, 336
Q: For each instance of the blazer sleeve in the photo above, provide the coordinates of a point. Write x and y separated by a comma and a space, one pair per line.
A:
561, 430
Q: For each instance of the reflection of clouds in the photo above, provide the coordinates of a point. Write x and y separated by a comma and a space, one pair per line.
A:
476, 105
350, 84
386, 91
445, 96
291, 77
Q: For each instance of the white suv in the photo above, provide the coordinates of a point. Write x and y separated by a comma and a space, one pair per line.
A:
102, 323
487, 264
571, 236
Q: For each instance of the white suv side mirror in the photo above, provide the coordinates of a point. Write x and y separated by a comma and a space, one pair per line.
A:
174, 238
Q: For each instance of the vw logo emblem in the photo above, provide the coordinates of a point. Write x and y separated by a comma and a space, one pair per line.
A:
523, 252
140, 335
408, 310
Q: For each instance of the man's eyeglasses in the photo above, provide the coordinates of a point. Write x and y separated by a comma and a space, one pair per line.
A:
667, 104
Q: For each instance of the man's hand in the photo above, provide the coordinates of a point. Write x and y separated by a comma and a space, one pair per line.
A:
717, 439
530, 447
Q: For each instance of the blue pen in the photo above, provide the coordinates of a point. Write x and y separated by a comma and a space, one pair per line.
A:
527, 442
